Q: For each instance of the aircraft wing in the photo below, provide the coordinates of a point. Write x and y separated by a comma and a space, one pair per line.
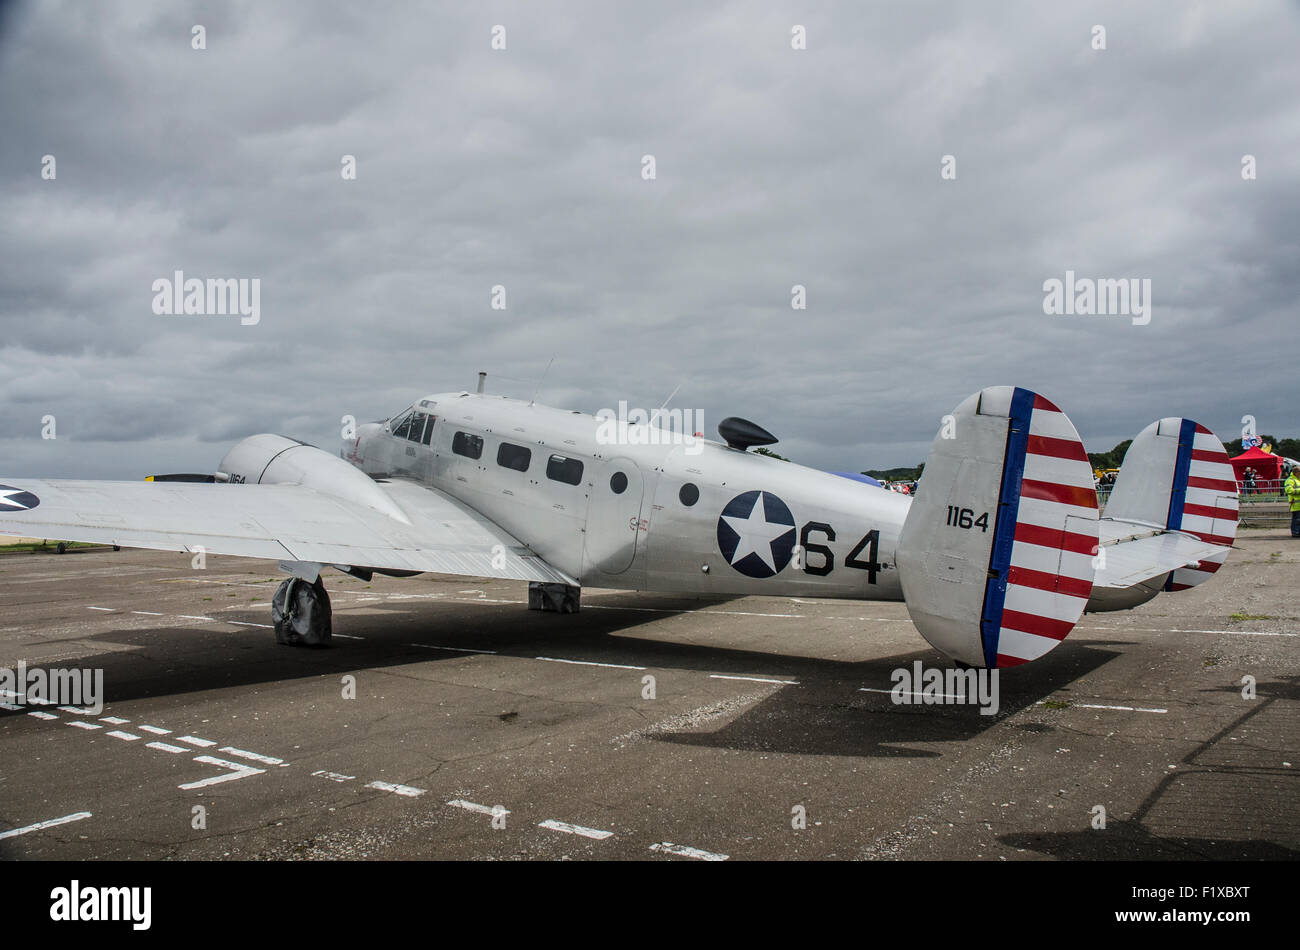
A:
279, 522
1135, 552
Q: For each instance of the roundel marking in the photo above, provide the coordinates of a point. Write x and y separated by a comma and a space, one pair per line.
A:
16, 499
756, 534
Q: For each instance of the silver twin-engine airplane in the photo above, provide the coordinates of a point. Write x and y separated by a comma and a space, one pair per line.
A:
997, 556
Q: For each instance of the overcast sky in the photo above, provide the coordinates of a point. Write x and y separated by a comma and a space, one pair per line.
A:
523, 167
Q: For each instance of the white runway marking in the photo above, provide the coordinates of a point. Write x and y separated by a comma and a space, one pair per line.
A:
430, 646
164, 747
195, 740
126, 736
752, 679
41, 825
147, 613
669, 610
241, 623
76, 711
575, 829
334, 776
114, 720
344, 636
12, 707
253, 756
406, 790
43, 715
238, 772
615, 666
1235, 633
667, 847
1043, 702
107, 610
475, 807
948, 696
84, 725
156, 730
190, 617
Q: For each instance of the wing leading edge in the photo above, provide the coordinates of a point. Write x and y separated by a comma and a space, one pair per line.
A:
279, 522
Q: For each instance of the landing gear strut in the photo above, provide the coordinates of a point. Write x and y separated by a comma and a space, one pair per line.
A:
301, 614
553, 598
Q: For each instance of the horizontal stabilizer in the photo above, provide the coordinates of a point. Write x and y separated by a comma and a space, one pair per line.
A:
1132, 553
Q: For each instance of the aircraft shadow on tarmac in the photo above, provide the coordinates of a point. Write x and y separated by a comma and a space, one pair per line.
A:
826, 714
1218, 784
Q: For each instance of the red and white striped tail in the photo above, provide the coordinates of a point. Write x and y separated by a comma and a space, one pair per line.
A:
1012, 591
1176, 474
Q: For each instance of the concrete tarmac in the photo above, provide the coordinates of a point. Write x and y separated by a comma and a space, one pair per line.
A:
447, 721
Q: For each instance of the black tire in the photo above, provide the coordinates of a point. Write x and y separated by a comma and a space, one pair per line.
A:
301, 614
62, 548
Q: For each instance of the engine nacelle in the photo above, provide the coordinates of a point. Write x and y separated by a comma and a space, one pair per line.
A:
275, 460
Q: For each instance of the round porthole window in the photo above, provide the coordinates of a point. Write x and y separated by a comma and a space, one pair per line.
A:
689, 494
618, 483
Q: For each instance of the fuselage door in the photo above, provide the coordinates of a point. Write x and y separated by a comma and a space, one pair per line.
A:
614, 525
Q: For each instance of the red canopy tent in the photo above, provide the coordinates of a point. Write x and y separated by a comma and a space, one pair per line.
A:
1267, 467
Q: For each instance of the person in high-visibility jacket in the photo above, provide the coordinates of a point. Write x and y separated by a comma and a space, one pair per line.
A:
1292, 488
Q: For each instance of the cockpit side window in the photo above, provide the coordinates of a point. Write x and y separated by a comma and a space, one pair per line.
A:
417, 427
402, 428
428, 430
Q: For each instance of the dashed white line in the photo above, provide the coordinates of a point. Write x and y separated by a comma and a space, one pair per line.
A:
190, 617
41, 825
667, 847
567, 828
125, 736
615, 666
195, 740
405, 790
344, 636
948, 696
107, 610
253, 756
241, 623
147, 613
156, 730
114, 720
334, 776
42, 715
475, 807
164, 747
1043, 702
431, 646
752, 679
84, 725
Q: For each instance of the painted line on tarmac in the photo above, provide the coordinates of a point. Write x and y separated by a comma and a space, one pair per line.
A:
42, 825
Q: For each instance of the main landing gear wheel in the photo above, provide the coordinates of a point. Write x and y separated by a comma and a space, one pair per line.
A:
301, 614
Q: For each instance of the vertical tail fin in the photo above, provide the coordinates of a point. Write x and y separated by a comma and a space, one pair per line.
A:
995, 556
1176, 475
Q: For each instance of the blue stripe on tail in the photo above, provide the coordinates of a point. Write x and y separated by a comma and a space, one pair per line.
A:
1178, 490
1004, 534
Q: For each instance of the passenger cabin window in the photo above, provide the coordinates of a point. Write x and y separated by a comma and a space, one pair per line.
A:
514, 456
561, 469
470, 446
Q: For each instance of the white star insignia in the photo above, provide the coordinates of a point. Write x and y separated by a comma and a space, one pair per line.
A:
756, 534
6, 498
